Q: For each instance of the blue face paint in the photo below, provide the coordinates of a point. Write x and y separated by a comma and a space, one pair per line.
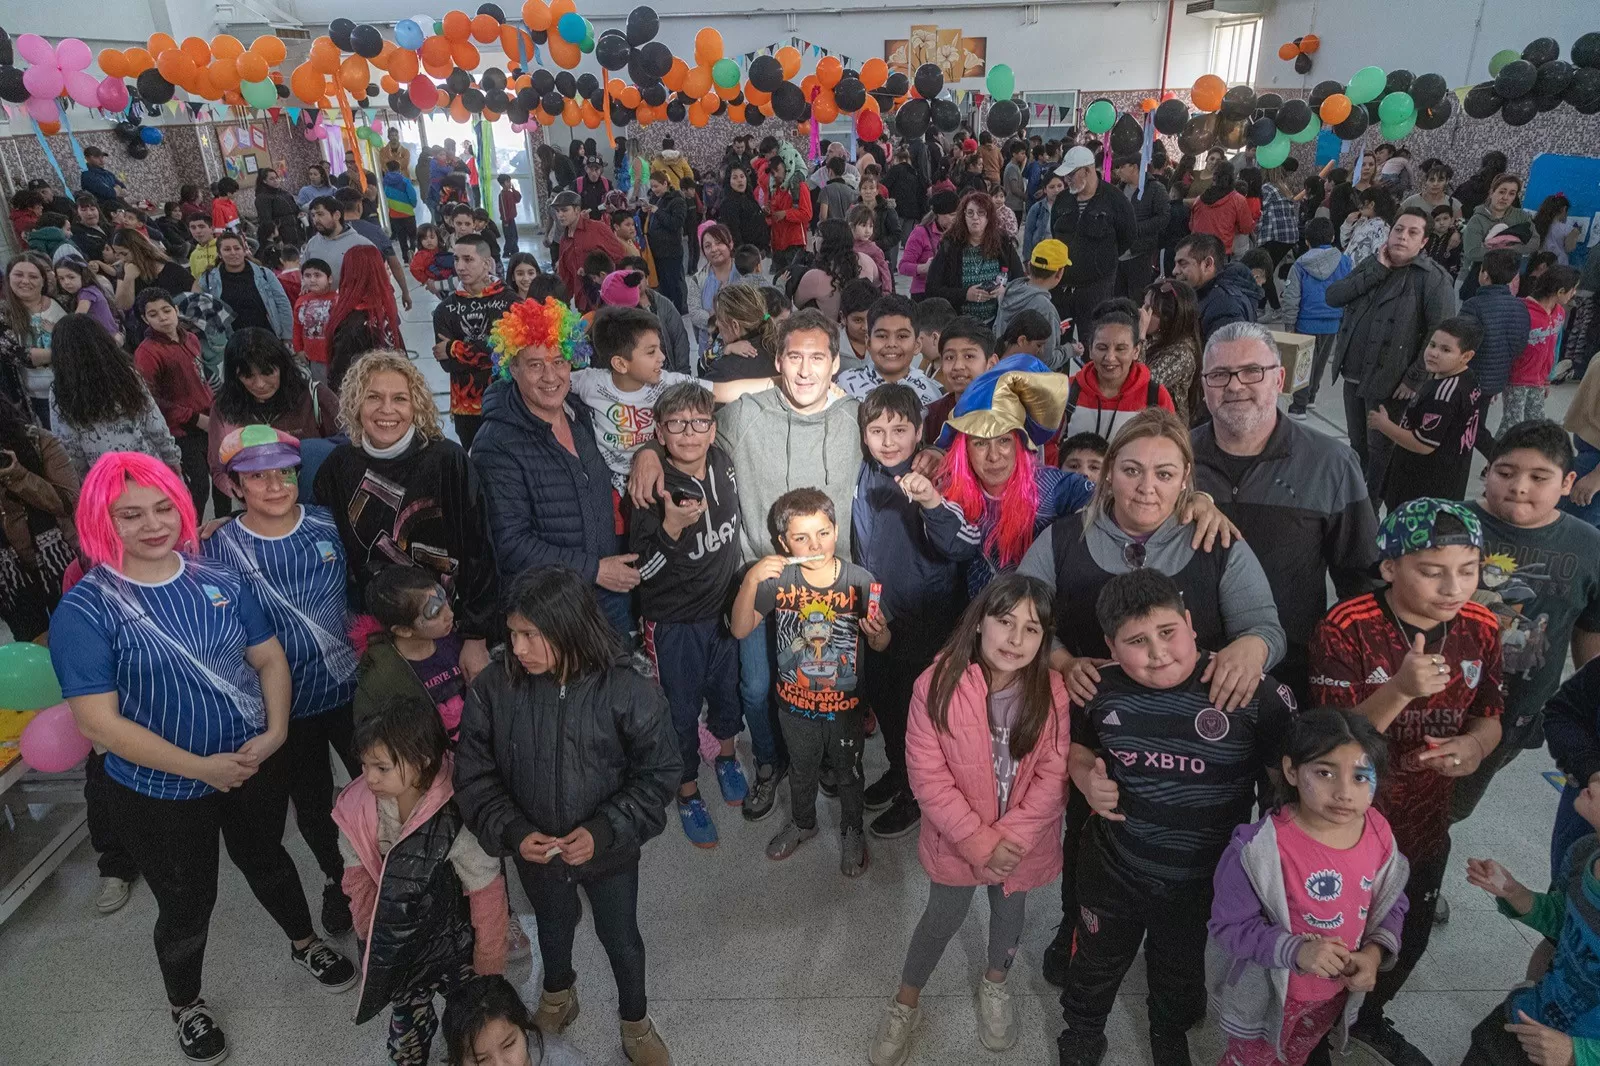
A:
1367, 775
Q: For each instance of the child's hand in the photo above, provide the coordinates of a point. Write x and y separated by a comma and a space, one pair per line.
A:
577, 847
535, 847
1377, 418
1495, 880
767, 568
1543, 1045
919, 490
875, 629
677, 517
1324, 958
1003, 860
1361, 974
1102, 793
1421, 674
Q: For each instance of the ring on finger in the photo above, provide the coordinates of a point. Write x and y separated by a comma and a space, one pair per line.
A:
1443, 669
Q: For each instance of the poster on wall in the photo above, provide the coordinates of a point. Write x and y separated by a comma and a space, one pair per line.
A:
244, 152
1578, 178
957, 56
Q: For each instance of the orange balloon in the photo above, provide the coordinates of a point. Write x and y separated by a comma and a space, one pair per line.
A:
112, 63
353, 74
457, 26
708, 102
756, 96
1335, 109
565, 53
874, 72
225, 73
829, 71
559, 8
1149, 103
204, 86
808, 85
736, 112
789, 59
465, 53
615, 87
871, 104
403, 65
673, 79
305, 82
458, 110
629, 96
1207, 92
436, 50
138, 60
253, 68
707, 46
388, 84
570, 113
698, 82
510, 36
232, 97
269, 48
381, 60
197, 50
697, 119
227, 46
1288, 51
439, 70
49, 129
491, 115
161, 42
325, 61
592, 117
1310, 43
536, 13
174, 65
727, 92
485, 30
825, 108
544, 118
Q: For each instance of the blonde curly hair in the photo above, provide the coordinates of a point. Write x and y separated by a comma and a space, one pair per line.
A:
424, 414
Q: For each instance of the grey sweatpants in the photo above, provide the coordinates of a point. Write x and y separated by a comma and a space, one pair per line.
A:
943, 918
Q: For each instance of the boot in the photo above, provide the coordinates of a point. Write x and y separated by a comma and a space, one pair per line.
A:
643, 1045
556, 1010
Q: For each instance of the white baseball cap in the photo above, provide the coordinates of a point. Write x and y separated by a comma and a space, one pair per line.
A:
1076, 158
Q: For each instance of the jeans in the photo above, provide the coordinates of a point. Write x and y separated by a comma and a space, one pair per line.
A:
697, 662
1587, 459
311, 782
1422, 890
618, 609
614, 899
755, 697
412, 1021
836, 741
887, 685
114, 858
1568, 830
175, 844
1371, 447
1319, 364
942, 919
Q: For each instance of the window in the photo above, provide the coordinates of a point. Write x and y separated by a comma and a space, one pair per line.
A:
1234, 46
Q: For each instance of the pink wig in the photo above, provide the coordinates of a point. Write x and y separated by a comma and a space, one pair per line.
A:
1012, 535
106, 482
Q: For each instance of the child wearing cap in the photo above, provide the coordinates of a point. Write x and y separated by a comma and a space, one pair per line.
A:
292, 557
1046, 265
1421, 661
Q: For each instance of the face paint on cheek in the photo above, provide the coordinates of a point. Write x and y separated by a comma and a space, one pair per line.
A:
291, 477
1367, 776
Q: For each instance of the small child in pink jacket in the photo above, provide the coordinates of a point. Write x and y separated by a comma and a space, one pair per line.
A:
986, 752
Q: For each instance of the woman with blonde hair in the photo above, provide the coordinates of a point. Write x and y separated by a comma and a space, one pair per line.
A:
401, 493
746, 336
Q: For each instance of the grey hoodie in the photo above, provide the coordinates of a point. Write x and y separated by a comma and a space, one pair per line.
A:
1020, 296
775, 449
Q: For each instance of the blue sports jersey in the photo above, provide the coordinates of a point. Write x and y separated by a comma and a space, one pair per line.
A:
299, 578
174, 654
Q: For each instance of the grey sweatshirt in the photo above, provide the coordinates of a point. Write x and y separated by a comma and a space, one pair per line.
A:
775, 449
1020, 296
1244, 596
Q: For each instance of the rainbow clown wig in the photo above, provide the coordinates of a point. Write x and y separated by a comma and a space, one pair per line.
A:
532, 324
106, 482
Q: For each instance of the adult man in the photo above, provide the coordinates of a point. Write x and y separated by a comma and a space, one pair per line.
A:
671, 164
395, 152
1095, 222
1392, 301
579, 235
1297, 495
461, 325
836, 196
822, 449
666, 214
332, 238
1225, 293
351, 200
821, 175
1151, 209
97, 180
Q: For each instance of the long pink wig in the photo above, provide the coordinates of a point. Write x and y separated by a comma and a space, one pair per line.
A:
106, 482
1011, 537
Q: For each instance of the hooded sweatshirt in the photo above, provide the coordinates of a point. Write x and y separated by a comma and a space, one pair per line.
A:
774, 449
1091, 411
1023, 296
1223, 213
1304, 302
399, 195
1231, 296
680, 175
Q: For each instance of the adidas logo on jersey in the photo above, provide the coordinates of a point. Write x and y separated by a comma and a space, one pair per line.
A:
1379, 676
1111, 718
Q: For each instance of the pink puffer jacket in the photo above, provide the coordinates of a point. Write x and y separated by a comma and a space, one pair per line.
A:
952, 776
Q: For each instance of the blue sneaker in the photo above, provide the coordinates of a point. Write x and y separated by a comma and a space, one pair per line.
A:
696, 822
730, 778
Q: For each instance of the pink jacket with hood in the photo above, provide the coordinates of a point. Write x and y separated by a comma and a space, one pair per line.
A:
952, 776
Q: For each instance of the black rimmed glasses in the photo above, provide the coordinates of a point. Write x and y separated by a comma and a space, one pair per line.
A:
1247, 375
676, 426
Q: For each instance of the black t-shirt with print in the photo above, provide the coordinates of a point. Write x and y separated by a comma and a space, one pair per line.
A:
818, 638
1445, 414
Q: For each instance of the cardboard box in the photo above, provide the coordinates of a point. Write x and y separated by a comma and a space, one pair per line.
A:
1298, 352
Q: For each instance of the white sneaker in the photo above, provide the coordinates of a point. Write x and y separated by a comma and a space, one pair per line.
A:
113, 894
997, 1018
893, 1042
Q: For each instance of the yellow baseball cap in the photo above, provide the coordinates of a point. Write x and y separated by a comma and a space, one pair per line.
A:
1050, 254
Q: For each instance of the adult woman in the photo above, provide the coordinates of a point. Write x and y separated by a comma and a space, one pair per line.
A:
1169, 321
838, 264
1113, 386
716, 248
38, 541
171, 666
1279, 227
566, 762
1036, 226
1221, 210
522, 270
1552, 230
924, 240
1435, 191
746, 339
262, 384
100, 403
29, 316
363, 317
317, 184
252, 292
632, 173
974, 260
400, 492
1500, 208
743, 218
144, 265
277, 213
1365, 230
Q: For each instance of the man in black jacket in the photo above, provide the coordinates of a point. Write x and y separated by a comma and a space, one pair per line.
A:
1095, 222
1136, 267
1226, 293
666, 213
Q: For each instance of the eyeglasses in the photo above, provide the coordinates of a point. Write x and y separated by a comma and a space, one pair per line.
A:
684, 425
1247, 375
1133, 554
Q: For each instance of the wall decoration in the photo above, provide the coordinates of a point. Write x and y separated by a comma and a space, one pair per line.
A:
955, 55
244, 151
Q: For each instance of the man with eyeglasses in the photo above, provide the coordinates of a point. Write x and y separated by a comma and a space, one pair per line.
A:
1296, 494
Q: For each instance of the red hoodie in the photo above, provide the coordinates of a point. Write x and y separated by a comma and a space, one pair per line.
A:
1091, 411
170, 371
789, 231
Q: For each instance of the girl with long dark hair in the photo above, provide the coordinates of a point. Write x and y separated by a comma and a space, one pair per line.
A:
487, 1024
363, 318
837, 264
522, 270
100, 403
38, 541
974, 260
262, 384
1170, 324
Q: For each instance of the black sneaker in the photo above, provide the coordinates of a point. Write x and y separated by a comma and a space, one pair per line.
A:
1298, 411
1383, 1040
763, 794
1057, 957
881, 793
199, 1038
901, 817
333, 971
1170, 1049
828, 782
336, 919
1080, 1049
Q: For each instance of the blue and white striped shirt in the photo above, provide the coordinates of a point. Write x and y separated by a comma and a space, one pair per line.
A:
299, 578
174, 653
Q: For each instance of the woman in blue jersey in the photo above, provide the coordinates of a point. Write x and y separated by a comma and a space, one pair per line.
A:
171, 666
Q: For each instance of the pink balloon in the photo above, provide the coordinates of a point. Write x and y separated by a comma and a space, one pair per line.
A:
52, 743
44, 82
112, 94
36, 49
72, 54
82, 87
44, 109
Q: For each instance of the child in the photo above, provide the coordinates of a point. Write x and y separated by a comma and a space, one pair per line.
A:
1444, 239
414, 652
747, 261
1145, 868
284, 262
1085, 453
1314, 889
311, 315
987, 752
1026, 334
506, 202
855, 300
486, 1022
1304, 303
1505, 322
822, 606
204, 236
596, 266
966, 350
224, 212
484, 227
406, 855
933, 314
622, 228
1421, 662
1529, 382
863, 227
1116, 384
891, 346
688, 548
168, 359
1046, 265
400, 198
1433, 439
431, 265
78, 285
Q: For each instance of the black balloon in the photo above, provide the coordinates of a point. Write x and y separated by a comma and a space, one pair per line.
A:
459, 81
1293, 116
765, 73
612, 52
472, 100
620, 114
1198, 135
676, 112
1398, 81
1520, 112
517, 113
850, 94
1302, 64
394, 100
1354, 126
1269, 103
913, 118
1230, 132
544, 81
372, 89
654, 95
1542, 51
6, 56
366, 41
153, 88
1171, 117
528, 98
566, 84
637, 70
897, 85
1428, 90
138, 150
1482, 101
1323, 90
1004, 118
929, 80
540, 37
495, 78
497, 101
643, 25
283, 92
494, 11
1261, 131
885, 100
339, 32
945, 114
1127, 136
1515, 79
1435, 116
1584, 91
1546, 103
657, 58
753, 116
1586, 51
1554, 77
587, 84
788, 102
552, 102
11, 87
1373, 111
1238, 102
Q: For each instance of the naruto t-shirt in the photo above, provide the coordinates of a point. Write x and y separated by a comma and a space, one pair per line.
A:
818, 636
622, 420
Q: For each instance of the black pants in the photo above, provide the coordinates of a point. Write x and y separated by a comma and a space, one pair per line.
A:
836, 741
1371, 447
175, 844
1078, 302
1492, 1045
466, 428
1119, 911
1484, 443
887, 686
670, 283
1077, 820
311, 782
196, 468
1134, 276
698, 664
114, 858
615, 900
1422, 889
404, 232
781, 258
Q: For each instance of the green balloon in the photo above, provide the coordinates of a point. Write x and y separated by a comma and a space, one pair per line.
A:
1002, 83
1274, 152
587, 44
1313, 128
1393, 131
27, 680
259, 93
725, 72
1100, 117
1397, 107
1501, 58
1367, 84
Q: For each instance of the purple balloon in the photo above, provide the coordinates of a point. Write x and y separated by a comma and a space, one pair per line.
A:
112, 94
44, 82
83, 89
51, 742
72, 54
36, 49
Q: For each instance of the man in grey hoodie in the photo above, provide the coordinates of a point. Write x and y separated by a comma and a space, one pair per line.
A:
798, 435
1046, 265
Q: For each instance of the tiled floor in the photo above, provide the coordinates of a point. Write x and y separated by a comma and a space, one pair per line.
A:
750, 961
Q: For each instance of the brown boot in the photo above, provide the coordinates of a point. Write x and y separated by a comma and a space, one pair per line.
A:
643, 1045
556, 1010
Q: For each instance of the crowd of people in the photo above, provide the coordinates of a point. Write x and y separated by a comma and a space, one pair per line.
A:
950, 442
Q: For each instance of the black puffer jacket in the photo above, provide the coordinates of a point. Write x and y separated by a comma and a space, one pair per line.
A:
539, 756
